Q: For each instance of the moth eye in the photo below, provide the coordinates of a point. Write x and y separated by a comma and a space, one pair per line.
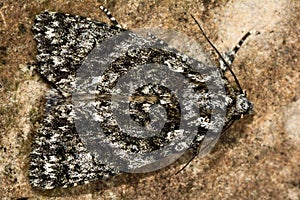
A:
245, 106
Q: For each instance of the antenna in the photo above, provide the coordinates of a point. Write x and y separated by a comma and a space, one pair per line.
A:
219, 54
111, 18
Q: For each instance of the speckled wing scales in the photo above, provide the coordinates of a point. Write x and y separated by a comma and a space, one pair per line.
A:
63, 41
58, 158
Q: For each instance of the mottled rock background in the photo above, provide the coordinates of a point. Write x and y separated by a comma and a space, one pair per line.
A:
258, 158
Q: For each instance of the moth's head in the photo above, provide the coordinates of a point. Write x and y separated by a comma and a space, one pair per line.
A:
243, 105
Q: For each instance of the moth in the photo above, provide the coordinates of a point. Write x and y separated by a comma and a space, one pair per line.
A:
63, 155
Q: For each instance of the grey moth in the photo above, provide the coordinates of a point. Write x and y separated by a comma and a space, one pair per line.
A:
65, 150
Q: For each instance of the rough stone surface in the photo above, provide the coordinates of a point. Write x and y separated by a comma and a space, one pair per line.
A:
292, 122
257, 158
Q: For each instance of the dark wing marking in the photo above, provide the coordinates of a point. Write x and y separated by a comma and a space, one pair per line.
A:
58, 158
63, 42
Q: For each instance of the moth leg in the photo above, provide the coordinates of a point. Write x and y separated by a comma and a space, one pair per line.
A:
230, 55
111, 18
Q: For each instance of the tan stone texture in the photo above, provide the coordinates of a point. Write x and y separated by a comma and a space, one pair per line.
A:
258, 157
